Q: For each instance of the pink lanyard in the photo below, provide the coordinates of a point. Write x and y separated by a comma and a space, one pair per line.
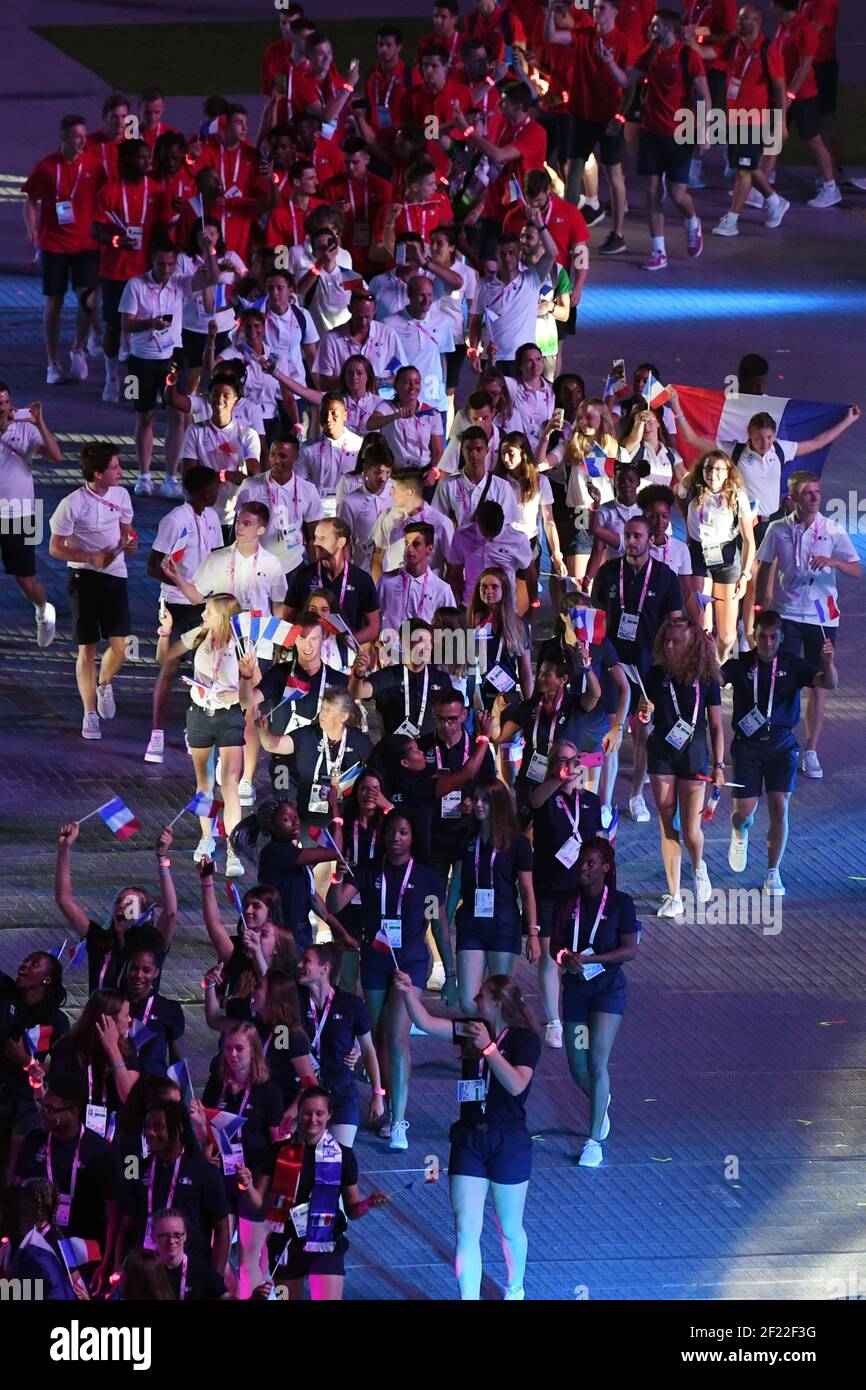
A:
355, 416
417, 430
485, 1069
183, 1266
319, 1023
75, 1164
243, 1102
356, 841
407, 581
439, 755
234, 182
217, 658
172, 1185
799, 538
105, 965
290, 77
105, 145
403, 888
454, 38
531, 398
649, 565
478, 863
274, 498
71, 197
112, 506
552, 724
598, 916
330, 444
566, 809
323, 585
148, 1010
232, 569
126, 205
90, 1100
351, 193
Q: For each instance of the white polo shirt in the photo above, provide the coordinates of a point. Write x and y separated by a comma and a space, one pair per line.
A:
762, 473
218, 667
409, 440
143, 298
389, 536
285, 333
381, 350
475, 553
261, 388
403, 596
223, 447
531, 411
509, 312
290, 505
458, 498
329, 304
391, 294
796, 585
179, 529
20, 442
325, 462
450, 460
95, 522
363, 510
422, 343
256, 580
674, 554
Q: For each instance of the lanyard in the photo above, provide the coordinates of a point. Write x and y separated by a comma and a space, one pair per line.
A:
575, 818
388, 90
275, 498
423, 214
60, 162
234, 182
550, 731
649, 565
407, 583
291, 207
675, 702
530, 398
418, 424
772, 685
105, 145
478, 863
486, 1073
750, 52
75, 1164
126, 204
231, 583
243, 1102
319, 1023
105, 965
356, 832
332, 768
439, 755
598, 917
403, 887
339, 473
355, 411
454, 37
104, 500
407, 703
172, 1185
351, 193
183, 1266
148, 1010
90, 1099
323, 585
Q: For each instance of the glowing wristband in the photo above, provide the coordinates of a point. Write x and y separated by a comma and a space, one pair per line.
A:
619, 117
115, 241
482, 738
560, 955
486, 1051
337, 820
379, 1091
792, 96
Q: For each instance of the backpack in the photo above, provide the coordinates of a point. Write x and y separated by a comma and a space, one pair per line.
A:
738, 449
684, 66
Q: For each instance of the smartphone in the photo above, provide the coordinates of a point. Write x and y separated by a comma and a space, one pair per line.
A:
460, 1028
400, 253
617, 370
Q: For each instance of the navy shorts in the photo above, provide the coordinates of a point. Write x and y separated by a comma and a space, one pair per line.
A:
488, 934
184, 617
112, 291
18, 554
586, 135
225, 729
100, 606
827, 77
660, 154
764, 765
603, 995
347, 1107
805, 114
745, 156
547, 910
497, 1152
728, 572
808, 636
683, 763
58, 269
299, 1264
149, 374
377, 969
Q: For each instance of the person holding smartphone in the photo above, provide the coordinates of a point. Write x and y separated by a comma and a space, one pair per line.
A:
490, 1144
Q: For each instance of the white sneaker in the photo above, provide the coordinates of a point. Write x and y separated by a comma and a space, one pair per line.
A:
105, 701
46, 625
54, 374
773, 884
397, 1135
738, 850
775, 214
809, 765
170, 487
828, 197
754, 199
591, 1155
606, 817
156, 747
671, 906
77, 365
111, 392
90, 726
246, 793
234, 867
553, 1034
206, 845
93, 347
637, 808
514, 1295
605, 1124
703, 887
727, 225
143, 485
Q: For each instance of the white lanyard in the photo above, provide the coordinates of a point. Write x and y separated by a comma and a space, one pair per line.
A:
332, 768
351, 193
323, 585
598, 917
126, 204
292, 210
90, 1100
403, 887
552, 728
439, 755
316, 1041
772, 685
75, 1164
275, 498
231, 583
60, 162
423, 214
478, 863
575, 819
234, 182
172, 1185
649, 565
105, 145
388, 90
407, 581
406, 696
693, 722
486, 1073
741, 48
183, 1266
105, 965
243, 1102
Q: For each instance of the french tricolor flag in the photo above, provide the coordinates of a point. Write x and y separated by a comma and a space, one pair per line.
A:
828, 611
178, 553
719, 416
38, 1039
77, 1251
382, 942
590, 624
203, 804
598, 463
654, 393
119, 819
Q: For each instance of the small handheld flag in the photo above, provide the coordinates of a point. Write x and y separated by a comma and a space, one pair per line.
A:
703, 600
203, 804
350, 776
178, 554
515, 192
325, 840
394, 365
382, 942
590, 624
118, 817
38, 1038
78, 954
57, 951
179, 1073
234, 897
77, 1251
338, 626
598, 464
141, 1033
654, 393
223, 1126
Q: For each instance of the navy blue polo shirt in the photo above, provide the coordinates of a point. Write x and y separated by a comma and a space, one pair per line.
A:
504, 880
361, 597
199, 1195
619, 920
522, 1048
308, 756
166, 1022
389, 693
447, 834
15, 1018
663, 597
347, 1020
98, 1177
263, 1111
278, 867
658, 687
273, 688
103, 950
553, 827
424, 884
793, 674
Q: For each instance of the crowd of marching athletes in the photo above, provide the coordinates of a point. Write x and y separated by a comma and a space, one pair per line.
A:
361, 612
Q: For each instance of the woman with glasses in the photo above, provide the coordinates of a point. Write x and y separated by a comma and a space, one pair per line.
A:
192, 1279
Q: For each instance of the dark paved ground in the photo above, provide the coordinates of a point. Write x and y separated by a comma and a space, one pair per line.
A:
741, 1050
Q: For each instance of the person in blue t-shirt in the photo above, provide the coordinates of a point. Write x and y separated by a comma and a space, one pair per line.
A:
490, 1144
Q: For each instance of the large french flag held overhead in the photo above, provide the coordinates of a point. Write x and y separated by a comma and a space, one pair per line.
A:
723, 417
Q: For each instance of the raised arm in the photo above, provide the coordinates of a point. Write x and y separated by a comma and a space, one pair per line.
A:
167, 920
63, 895
220, 939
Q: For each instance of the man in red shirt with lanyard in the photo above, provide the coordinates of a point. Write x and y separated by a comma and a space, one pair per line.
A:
284, 52
674, 75
285, 225
756, 82
324, 154
521, 145
62, 189
126, 213
360, 196
237, 163
823, 15
596, 105
565, 224
431, 105
447, 34
385, 89
498, 27
710, 24
425, 207
105, 143
151, 108
798, 41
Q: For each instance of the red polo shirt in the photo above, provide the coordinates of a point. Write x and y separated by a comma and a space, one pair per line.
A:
796, 41
744, 66
595, 93
824, 12
420, 104
497, 30
365, 198
285, 225
565, 224
667, 90
719, 16
385, 93
634, 18
77, 180
136, 205
530, 138
416, 217
106, 152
